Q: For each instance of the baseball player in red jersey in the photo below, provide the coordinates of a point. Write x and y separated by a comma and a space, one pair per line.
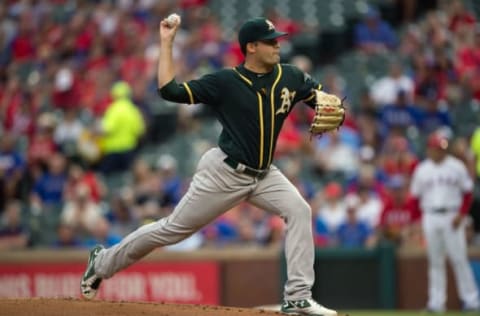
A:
442, 190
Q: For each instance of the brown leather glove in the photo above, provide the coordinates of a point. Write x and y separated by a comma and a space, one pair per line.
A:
329, 113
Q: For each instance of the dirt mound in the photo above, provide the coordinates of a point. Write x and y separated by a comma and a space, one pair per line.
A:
76, 307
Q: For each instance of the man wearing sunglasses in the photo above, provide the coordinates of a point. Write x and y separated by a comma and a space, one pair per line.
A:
251, 102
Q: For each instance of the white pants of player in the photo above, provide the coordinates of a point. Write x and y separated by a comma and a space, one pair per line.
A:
443, 240
215, 189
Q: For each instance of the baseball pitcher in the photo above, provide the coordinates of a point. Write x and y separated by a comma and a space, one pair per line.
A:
442, 190
251, 102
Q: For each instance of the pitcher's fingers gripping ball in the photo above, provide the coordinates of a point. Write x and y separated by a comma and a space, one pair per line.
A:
329, 113
172, 20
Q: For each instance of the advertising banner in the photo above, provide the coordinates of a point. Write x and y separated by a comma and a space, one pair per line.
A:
170, 282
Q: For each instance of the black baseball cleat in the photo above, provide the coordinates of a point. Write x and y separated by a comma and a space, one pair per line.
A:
306, 307
90, 281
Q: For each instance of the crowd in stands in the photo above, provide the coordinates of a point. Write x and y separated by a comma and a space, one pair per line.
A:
77, 82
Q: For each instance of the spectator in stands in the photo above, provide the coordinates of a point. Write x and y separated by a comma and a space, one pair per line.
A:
353, 232
145, 186
67, 237
435, 30
23, 44
368, 178
121, 129
66, 92
397, 218
260, 228
67, 133
467, 60
435, 116
48, 189
19, 110
81, 212
89, 145
367, 120
459, 17
432, 79
397, 157
387, 89
373, 35
100, 233
12, 170
400, 116
77, 175
171, 186
331, 207
13, 233
223, 231
411, 41
368, 206
336, 157
42, 146
121, 215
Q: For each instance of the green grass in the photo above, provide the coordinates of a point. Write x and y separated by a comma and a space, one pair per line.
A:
404, 313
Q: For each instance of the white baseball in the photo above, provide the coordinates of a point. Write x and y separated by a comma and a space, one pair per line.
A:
173, 19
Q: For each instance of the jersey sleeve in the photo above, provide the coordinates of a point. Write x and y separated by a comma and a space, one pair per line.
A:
307, 84
466, 181
416, 185
204, 90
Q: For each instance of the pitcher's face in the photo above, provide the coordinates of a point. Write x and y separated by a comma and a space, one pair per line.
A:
268, 51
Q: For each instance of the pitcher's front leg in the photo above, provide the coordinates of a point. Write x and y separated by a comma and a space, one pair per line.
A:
278, 195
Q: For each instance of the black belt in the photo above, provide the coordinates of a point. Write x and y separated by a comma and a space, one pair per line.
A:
242, 168
441, 210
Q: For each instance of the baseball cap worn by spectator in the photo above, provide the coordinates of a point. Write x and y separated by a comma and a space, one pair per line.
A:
257, 29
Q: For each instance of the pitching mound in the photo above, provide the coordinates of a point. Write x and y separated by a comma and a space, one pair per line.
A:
76, 307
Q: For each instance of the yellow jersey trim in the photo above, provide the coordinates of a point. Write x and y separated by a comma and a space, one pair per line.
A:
272, 106
243, 77
190, 94
260, 113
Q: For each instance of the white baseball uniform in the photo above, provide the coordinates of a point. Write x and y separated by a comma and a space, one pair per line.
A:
440, 188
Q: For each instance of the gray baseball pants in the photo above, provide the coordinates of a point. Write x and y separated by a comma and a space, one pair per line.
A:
216, 188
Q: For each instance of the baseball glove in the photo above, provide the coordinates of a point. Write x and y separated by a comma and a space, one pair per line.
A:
329, 113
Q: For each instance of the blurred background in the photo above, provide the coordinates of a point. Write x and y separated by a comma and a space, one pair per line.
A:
406, 68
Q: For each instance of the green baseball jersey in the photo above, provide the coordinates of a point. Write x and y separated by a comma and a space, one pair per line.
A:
251, 107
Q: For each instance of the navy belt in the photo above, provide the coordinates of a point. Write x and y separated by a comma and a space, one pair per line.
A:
242, 168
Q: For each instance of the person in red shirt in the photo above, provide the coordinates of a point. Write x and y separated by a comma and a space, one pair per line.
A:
397, 158
77, 176
23, 46
42, 145
460, 17
397, 217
